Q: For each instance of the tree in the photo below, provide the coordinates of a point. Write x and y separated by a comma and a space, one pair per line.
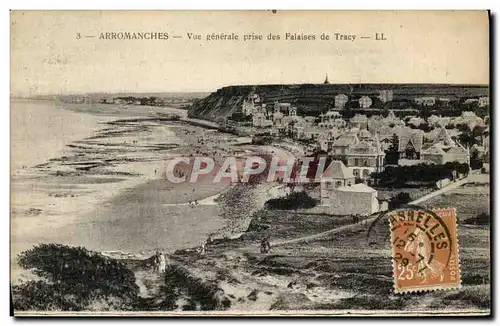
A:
392, 154
475, 161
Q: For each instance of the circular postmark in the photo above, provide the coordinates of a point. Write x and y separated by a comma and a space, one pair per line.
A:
424, 246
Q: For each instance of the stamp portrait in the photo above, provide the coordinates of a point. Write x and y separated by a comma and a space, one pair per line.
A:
425, 250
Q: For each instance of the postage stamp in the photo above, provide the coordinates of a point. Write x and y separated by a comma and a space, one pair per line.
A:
425, 250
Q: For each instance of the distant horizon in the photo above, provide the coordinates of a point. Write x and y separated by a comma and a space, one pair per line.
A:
241, 85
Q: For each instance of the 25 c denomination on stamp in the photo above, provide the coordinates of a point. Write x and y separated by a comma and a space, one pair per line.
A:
425, 249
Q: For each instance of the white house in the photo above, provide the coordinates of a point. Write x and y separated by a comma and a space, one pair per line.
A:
357, 199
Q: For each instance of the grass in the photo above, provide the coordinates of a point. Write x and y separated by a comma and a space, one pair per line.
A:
469, 201
475, 296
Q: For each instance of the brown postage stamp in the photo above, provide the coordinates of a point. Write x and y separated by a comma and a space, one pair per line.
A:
425, 250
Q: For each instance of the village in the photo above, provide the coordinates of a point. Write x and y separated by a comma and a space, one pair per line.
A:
373, 151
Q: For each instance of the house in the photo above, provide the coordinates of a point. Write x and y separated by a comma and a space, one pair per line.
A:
247, 107
365, 102
393, 120
416, 121
440, 135
336, 175
340, 101
425, 100
385, 95
357, 199
438, 121
366, 157
282, 107
310, 132
440, 153
468, 118
297, 127
328, 119
259, 120
444, 149
278, 119
484, 101
375, 122
410, 143
342, 144
364, 135
327, 137
486, 157
359, 121
471, 100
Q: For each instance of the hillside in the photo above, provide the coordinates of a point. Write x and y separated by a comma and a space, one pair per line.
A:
313, 98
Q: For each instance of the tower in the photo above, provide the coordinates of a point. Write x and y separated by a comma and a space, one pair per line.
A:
326, 80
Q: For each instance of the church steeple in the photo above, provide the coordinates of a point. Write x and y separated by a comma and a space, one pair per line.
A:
326, 80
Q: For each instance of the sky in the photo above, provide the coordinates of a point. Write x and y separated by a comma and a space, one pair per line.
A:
47, 57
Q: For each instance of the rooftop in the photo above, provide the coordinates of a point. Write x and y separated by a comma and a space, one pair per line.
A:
358, 187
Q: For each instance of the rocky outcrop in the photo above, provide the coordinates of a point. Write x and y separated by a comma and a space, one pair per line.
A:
311, 99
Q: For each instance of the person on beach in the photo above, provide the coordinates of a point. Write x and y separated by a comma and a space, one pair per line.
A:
201, 249
162, 262
265, 245
156, 262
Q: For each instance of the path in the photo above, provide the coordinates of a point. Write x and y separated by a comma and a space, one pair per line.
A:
438, 192
363, 223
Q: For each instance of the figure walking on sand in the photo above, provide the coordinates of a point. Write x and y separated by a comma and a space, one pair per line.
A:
160, 262
201, 248
265, 245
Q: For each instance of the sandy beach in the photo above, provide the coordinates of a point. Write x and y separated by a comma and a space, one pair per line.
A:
101, 184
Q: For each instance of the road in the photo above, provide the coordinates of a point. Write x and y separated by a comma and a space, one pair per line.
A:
363, 223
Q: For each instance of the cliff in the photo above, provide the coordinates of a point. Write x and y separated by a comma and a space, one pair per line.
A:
311, 99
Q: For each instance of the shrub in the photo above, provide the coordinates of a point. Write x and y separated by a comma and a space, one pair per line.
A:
295, 200
399, 200
481, 219
196, 292
399, 176
73, 279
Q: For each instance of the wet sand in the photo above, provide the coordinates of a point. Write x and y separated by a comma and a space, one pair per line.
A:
102, 186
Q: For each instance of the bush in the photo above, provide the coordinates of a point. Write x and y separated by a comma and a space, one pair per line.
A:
399, 176
295, 200
481, 219
399, 200
262, 140
197, 294
73, 279
240, 117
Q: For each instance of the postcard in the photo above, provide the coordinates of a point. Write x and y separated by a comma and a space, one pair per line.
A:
250, 163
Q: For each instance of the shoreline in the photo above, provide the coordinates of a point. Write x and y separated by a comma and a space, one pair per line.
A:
111, 189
